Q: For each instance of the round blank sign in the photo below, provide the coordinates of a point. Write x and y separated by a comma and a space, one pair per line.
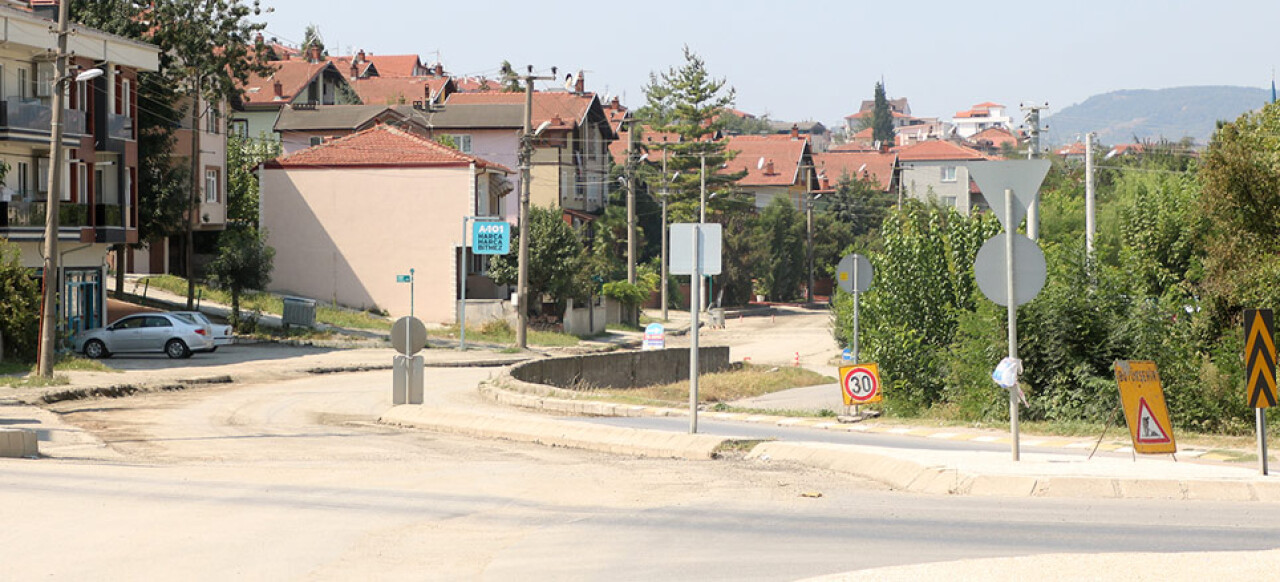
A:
417, 336
848, 279
1029, 269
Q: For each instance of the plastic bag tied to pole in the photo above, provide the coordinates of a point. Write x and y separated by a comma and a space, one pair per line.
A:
1006, 376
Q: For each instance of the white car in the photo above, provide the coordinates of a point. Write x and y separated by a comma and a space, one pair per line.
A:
146, 332
222, 334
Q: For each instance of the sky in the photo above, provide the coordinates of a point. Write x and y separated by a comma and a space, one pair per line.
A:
817, 60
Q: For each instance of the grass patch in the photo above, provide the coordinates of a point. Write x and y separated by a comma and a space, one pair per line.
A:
501, 332
744, 382
270, 303
623, 327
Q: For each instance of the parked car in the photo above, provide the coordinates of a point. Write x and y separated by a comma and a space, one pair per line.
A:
222, 334
146, 332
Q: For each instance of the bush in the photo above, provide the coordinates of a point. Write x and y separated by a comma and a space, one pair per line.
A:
19, 306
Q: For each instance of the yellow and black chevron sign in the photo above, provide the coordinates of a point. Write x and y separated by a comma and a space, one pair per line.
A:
1260, 355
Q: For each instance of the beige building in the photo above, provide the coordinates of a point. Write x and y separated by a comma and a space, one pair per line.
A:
347, 216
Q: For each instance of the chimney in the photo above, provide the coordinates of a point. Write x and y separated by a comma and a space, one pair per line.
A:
439, 70
359, 57
313, 53
278, 89
826, 183
768, 168
355, 71
581, 86
795, 132
555, 120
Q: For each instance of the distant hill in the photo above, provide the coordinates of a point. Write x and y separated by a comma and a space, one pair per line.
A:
1174, 113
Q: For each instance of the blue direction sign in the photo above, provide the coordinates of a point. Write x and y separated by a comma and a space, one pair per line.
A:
490, 238
404, 279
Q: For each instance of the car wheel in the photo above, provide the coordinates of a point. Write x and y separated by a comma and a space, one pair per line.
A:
95, 349
213, 349
177, 349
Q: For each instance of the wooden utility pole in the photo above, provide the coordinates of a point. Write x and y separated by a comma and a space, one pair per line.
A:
52, 282
526, 160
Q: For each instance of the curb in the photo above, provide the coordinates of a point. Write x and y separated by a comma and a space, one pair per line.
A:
921, 478
558, 433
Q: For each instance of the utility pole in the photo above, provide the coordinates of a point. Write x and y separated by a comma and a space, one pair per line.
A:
702, 219
1090, 202
189, 251
809, 222
49, 309
1033, 152
631, 206
665, 183
526, 158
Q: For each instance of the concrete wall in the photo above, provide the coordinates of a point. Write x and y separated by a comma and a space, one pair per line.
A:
586, 319
920, 180
344, 235
622, 369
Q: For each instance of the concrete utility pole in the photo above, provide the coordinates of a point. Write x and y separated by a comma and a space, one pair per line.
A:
189, 251
809, 223
702, 219
631, 207
1090, 202
526, 158
1033, 152
52, 282
665, 183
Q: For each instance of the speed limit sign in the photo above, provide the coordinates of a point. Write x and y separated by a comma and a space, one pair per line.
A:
860, 384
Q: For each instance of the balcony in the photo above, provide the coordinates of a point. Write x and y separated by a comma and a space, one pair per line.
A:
119, 127
32, 115
32, 214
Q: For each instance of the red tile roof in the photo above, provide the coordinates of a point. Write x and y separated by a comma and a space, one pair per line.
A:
380, 146
563, 110
397, 90
293, 77
395, 65
1075, 149
873, 166
779, 153
937, 150
998, 136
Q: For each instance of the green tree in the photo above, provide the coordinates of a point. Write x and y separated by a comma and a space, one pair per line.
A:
19, 305
689, 102
311, 37
882, 118
781, 229
509, 79
244, 263
555, 259
244, 156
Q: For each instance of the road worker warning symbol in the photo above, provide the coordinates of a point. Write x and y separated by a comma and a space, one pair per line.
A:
1149, 429
1144, 408
860, 384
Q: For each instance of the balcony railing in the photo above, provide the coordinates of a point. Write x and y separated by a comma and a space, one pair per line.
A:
109, 215
31, 214
36, 116
119, 127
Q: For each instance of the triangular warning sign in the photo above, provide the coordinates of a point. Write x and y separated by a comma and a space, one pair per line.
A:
1149, 429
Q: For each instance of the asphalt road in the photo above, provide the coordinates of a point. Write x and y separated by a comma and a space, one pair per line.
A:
291, 480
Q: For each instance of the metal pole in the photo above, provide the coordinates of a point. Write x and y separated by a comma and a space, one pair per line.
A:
1262, 439
694, 284
462, 285
1090, 203
189, 248
1013, 316
856, 300
702, 218
665, 182
410, 292
49, 310
809, 244
631, 208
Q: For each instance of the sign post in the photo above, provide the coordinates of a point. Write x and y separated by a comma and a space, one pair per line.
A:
695, 251
854, 276
408, 337
1144, 408
490, 235
1011, 271
1260, 371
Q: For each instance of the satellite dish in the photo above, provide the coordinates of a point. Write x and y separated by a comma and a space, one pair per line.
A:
607, 97
861, 168
542, 127
674, 176
643, 157
570, 81
760, 163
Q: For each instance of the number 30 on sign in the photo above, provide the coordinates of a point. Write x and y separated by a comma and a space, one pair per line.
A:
860, 384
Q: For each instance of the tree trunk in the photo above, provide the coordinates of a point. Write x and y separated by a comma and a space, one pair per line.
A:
1, 347
120, 271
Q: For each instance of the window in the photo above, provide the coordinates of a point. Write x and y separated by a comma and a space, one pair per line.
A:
81, 102
211, 190
239, 127
948, 173
212, 120
24, 179
462, 142
479, 264
949, 201
125, 96
316, 140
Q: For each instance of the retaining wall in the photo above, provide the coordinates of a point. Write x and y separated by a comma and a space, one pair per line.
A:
621, 369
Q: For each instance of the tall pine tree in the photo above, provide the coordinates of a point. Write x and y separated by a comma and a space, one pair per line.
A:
882, 119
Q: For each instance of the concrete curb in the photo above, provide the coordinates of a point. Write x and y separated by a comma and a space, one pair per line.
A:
558, 433
18, 443
922, 478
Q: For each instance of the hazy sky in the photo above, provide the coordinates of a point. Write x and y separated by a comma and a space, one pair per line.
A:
818, 59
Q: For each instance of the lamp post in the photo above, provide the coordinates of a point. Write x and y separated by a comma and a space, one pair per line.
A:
49, 305
526, 160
